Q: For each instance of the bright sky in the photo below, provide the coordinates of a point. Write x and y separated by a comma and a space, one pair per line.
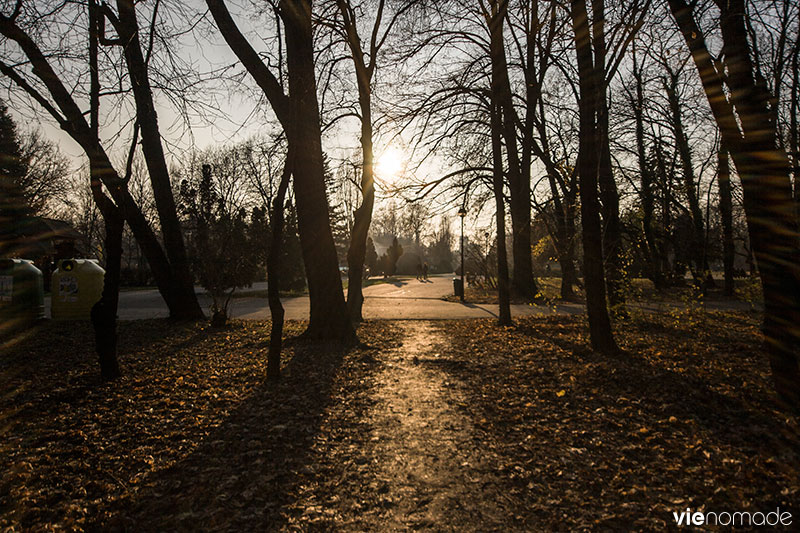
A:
240, 112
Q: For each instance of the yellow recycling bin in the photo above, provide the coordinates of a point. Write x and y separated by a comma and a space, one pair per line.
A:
77, 285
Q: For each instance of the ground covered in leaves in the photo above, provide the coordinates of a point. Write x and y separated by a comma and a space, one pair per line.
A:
638, 292
432, 425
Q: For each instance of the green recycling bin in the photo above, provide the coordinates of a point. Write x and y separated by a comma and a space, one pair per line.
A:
77, 284
458, 286
21, 293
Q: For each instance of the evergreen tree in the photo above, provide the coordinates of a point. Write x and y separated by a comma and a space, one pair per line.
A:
371, 258
220, 247
389, 259
13, 206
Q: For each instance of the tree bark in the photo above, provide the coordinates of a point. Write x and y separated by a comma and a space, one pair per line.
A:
520, 188
609, 196
273, 274
104, 312
602, 338
503, 292
766, 185
357, 250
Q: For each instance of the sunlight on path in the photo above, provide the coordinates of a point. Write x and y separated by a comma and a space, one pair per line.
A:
424, 448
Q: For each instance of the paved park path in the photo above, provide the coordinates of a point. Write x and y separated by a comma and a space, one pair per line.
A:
399, 299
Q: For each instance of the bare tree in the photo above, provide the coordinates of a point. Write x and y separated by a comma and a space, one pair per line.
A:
364, 57
47, 88
741, 104
298, 113
602, 338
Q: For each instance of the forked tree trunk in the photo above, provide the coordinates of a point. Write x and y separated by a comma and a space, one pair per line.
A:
602, 338
298, 113
329, 317
187, 306
751, 136
520, 187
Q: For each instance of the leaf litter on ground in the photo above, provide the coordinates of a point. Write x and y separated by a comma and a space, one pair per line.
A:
554, 435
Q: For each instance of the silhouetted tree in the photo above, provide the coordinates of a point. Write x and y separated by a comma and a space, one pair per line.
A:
298, 112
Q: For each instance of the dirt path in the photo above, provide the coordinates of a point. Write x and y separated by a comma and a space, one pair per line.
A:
409, 458
423, 445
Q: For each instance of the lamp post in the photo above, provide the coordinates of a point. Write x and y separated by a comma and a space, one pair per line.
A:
462, 213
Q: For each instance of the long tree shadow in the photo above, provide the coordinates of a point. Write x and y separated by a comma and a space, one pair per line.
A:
664, 391
242, 475
590, 431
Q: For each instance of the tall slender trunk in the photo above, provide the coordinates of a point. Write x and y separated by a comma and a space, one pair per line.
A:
602, 338
357, 251
612, 228
520, 187
609, 196
503, 293
794, 127
563, 240
273, 274
646, 184
689, 180
104, 312
726, 213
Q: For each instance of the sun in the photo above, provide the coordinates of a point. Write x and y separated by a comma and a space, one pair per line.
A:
390, 165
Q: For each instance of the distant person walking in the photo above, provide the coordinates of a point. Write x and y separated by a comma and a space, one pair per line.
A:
425, 270
419, 271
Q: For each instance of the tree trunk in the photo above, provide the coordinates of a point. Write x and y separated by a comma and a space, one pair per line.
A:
503, 293
602, 338
104, 312
684, 152
726, 213
766, 185
273, 274
186, 305
329, 317
609, 196
612, 230
563, 240
520, 188
357, 250
646, 186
